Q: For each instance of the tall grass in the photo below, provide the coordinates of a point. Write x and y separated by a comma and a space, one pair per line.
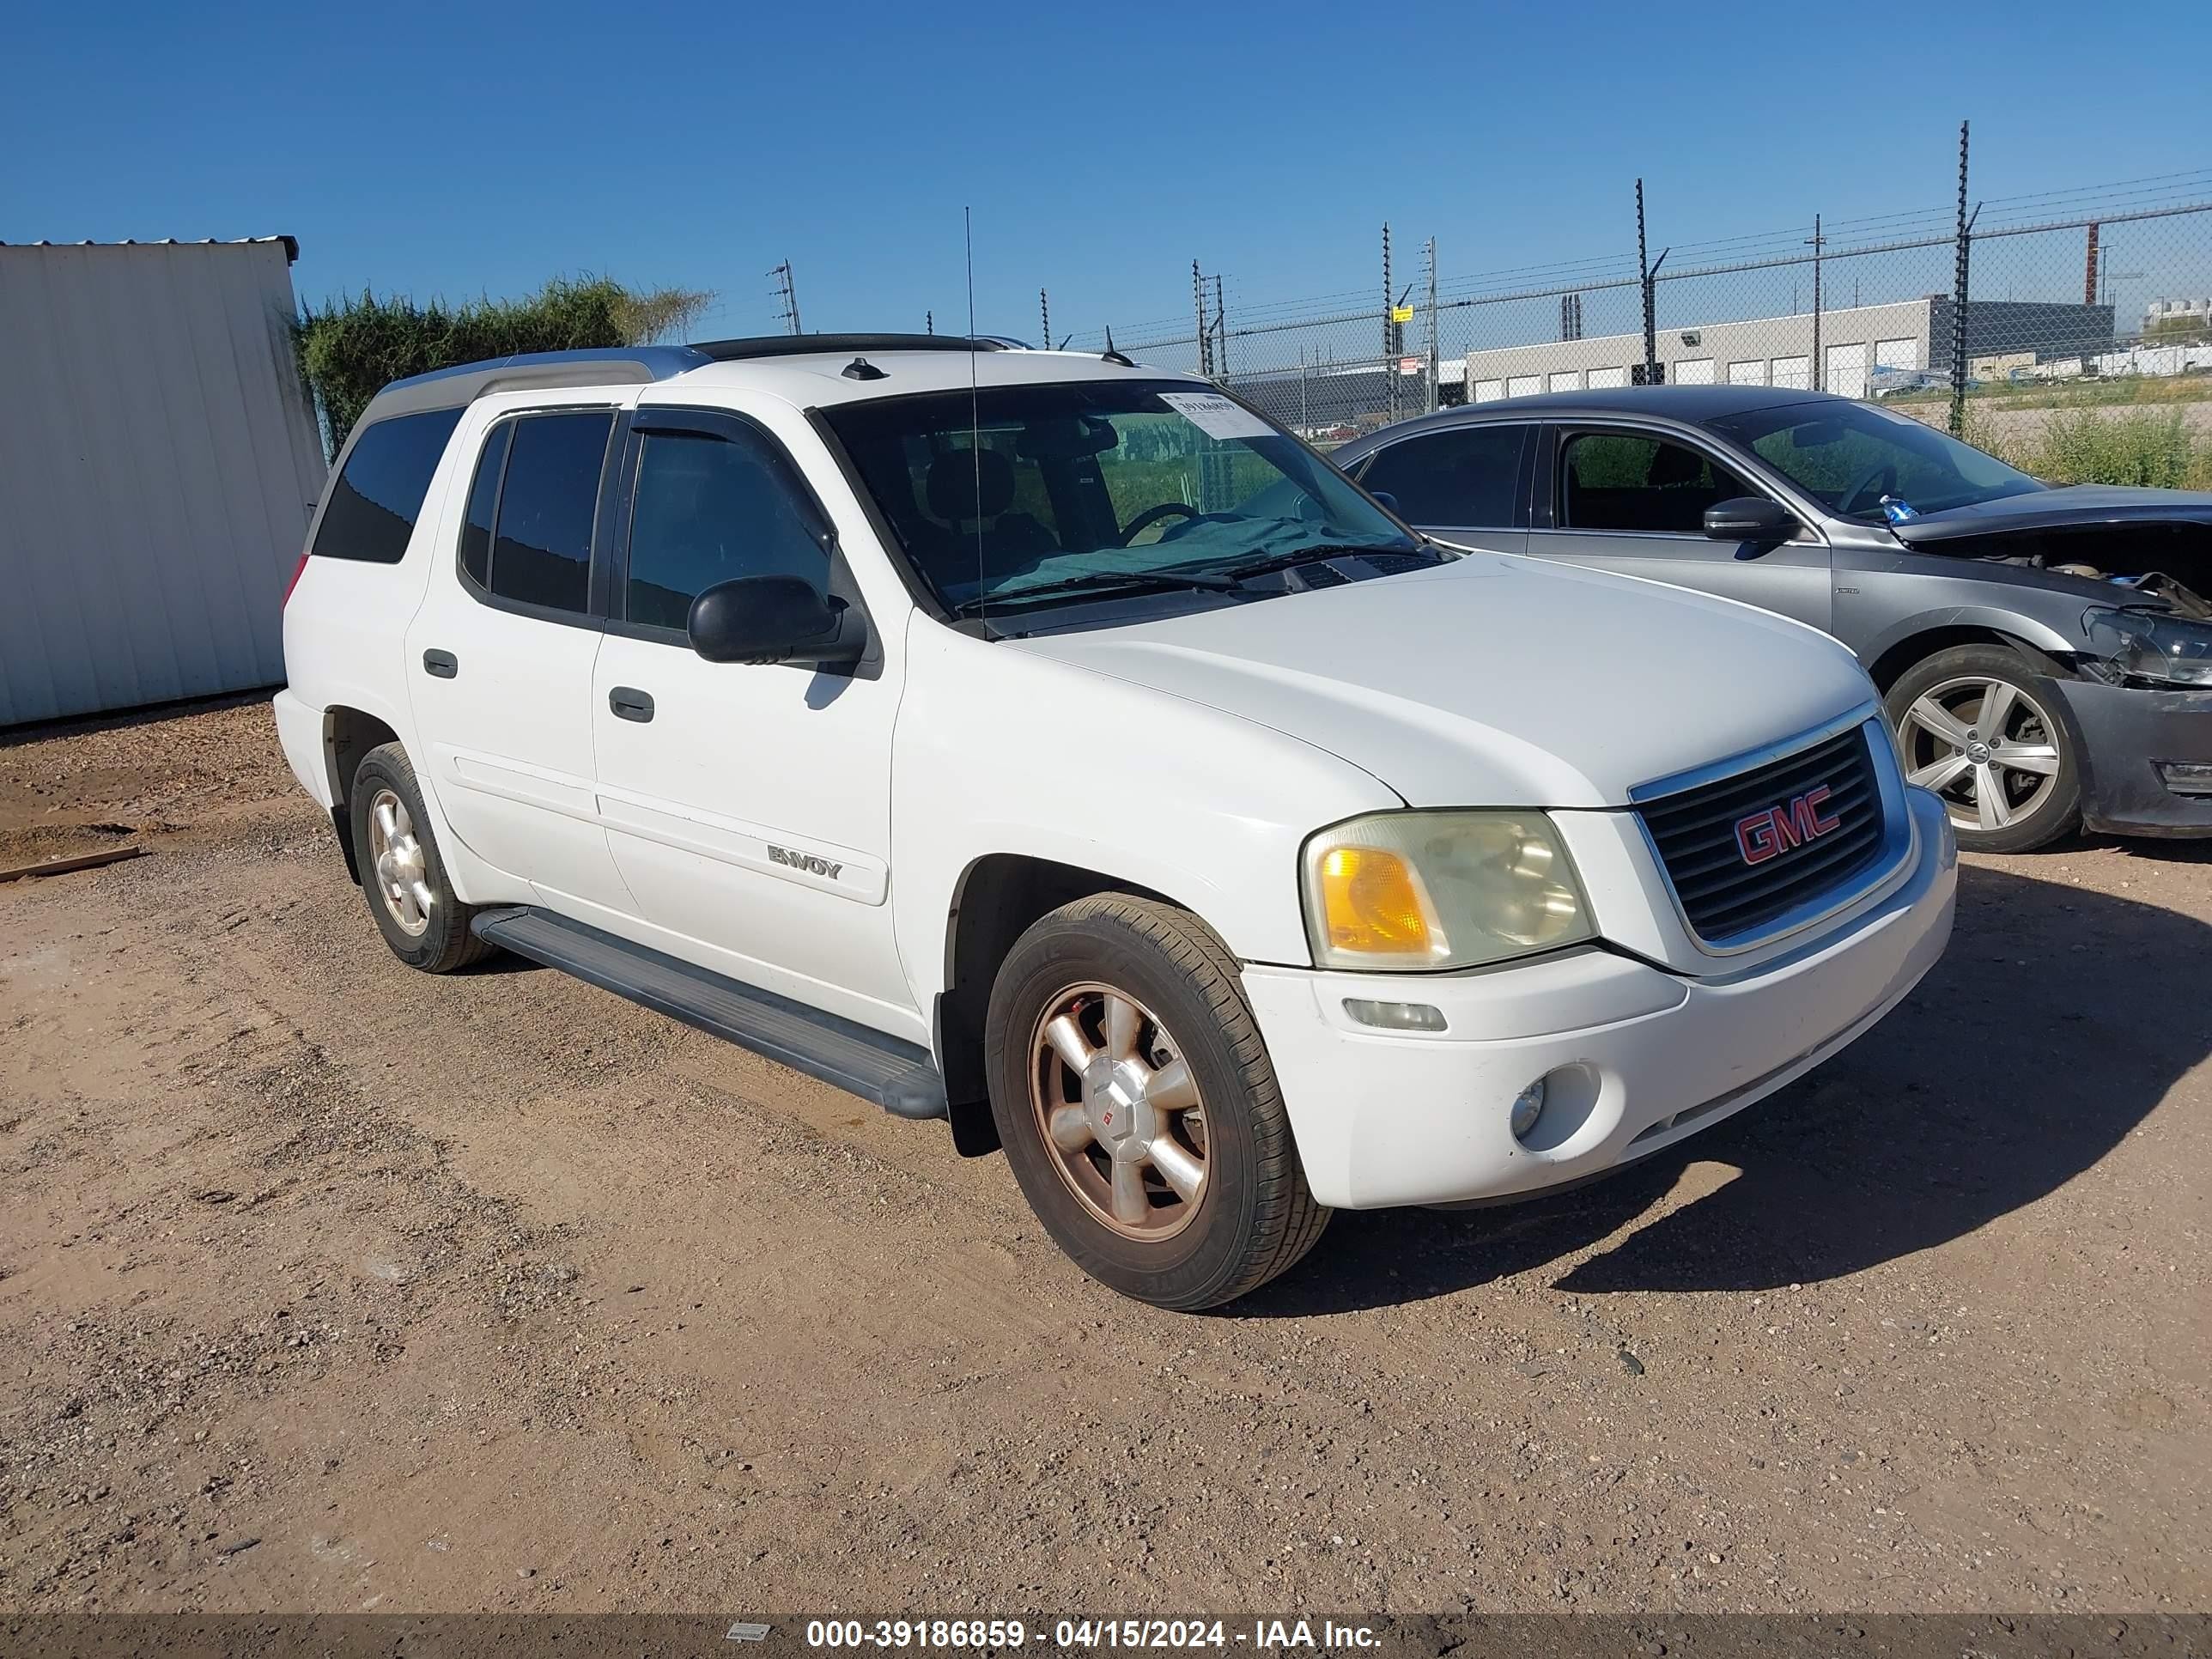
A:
2091, 442
351, 348
2139, 447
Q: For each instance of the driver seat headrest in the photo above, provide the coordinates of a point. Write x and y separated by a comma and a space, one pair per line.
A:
971, 483
1673, 464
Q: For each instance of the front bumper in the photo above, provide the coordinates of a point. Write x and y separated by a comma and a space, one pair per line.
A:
2125, 731
1636, 1058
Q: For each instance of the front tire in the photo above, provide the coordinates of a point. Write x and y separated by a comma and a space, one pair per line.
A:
1981, 725
409, 895
1138, 1109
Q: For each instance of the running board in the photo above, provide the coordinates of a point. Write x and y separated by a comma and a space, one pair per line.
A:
897, 1076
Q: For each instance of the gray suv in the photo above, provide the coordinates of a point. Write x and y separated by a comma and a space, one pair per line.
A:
2042, 652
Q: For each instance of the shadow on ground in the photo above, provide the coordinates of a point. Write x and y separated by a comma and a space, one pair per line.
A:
2057, 1020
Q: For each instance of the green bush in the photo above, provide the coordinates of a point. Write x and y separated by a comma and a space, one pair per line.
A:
2076, 444
2080, 446
351, 348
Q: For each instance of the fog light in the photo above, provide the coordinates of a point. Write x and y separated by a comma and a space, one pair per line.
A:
1395, 1016
2187, 777
1528, 1107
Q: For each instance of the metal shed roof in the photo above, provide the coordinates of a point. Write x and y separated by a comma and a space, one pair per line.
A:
289, 244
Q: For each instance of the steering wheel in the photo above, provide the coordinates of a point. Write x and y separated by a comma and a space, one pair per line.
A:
1151, 515
1883, 472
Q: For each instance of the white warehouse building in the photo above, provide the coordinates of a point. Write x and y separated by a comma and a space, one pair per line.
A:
1859, 348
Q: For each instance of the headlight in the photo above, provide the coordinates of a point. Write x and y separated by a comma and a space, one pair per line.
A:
2150, 645
1413, 890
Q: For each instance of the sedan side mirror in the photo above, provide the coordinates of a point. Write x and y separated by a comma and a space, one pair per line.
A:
1750, 519
1384, 497
770, 619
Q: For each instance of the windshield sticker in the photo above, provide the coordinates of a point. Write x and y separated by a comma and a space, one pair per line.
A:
1897, 512
1216, 416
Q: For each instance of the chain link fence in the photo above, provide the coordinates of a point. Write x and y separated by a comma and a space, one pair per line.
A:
2056, 318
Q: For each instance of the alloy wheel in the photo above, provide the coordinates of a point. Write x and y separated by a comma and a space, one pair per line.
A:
1117, 1106
1985, 745
395, 853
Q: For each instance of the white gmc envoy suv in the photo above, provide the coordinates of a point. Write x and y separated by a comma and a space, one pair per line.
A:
1055, 745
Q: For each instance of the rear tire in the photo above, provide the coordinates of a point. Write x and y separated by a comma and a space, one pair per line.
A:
402, 875
1138, 1106
1941, 710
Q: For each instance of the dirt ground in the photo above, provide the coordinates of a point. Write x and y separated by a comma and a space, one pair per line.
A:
327, 1285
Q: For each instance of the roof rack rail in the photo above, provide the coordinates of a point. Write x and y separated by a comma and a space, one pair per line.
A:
463, 383
805, 345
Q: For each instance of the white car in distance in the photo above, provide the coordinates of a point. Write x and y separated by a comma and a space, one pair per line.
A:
1055, 745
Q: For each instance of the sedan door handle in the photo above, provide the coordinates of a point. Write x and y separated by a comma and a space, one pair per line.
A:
444, 665
629, 703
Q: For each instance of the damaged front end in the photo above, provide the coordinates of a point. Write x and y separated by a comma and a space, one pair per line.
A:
2139, 694
2154, 545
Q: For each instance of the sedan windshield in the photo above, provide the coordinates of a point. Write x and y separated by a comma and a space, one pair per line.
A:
1850, 456
1085, 489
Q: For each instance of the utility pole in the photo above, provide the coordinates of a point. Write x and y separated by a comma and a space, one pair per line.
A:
787, 291
1433, 356
1044, 314
1819, 369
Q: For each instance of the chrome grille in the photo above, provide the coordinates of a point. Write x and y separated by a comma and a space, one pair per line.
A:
1723, 894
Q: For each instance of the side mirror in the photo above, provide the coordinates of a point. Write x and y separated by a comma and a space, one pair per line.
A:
1750, 519
1386, 498
770, 619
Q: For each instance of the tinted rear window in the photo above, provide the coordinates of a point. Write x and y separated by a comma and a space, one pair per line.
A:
1457, 477
483, 498
379, 494
541, 552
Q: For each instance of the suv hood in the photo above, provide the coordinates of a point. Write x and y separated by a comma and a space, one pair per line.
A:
1494, 680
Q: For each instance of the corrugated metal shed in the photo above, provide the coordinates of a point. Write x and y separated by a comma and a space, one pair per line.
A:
159, 462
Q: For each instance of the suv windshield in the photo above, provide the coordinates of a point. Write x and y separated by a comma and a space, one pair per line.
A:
1848, 456
1093, 486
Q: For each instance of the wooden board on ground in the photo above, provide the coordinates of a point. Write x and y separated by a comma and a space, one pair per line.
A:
79, 861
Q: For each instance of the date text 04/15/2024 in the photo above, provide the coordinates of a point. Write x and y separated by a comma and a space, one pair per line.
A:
1265, 1634
1324, 1635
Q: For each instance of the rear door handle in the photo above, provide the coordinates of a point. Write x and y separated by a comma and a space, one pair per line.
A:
629, 703
443, 664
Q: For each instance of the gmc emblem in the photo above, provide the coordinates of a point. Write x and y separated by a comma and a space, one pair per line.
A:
1767, 835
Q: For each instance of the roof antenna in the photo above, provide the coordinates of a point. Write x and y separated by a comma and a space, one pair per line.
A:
1112, 356
975, 420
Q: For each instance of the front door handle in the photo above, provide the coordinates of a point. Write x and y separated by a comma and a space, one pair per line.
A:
629, 703
444, 665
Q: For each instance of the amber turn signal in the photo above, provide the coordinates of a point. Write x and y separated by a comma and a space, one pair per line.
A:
1372, 904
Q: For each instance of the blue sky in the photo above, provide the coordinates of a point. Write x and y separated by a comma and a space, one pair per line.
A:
464, 148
